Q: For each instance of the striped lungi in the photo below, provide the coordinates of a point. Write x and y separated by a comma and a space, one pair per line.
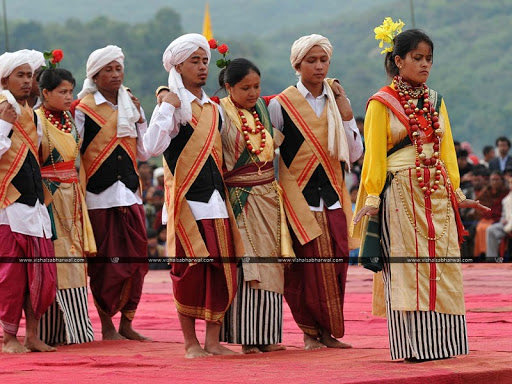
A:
424, 335
67, 320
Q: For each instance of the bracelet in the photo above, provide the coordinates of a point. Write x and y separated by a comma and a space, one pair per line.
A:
160, 89
460, 195
372, 201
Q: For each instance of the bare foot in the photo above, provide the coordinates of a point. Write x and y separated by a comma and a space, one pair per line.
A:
195, 351
112, 334
13, 346
217, 349
310, 343
331, 342
272, 347
250, 349
36, 345
131, 334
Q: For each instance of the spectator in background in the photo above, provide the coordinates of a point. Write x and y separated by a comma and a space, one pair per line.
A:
498, 231
456, 144
491, 197
463, 163
146, 177
503, 160
472, 185
158, 178
156, 251
472, 158
489, 154
157, 202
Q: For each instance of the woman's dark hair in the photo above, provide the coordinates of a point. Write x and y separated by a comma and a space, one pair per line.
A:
236, 70
51, 78
404, 43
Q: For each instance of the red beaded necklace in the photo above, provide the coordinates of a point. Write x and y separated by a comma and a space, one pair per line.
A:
260, 128
60, 120
407, 93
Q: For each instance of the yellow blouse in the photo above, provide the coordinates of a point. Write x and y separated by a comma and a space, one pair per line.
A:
379, 140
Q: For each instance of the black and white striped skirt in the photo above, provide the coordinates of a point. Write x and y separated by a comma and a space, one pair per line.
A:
424, 335
255, 316
67, 320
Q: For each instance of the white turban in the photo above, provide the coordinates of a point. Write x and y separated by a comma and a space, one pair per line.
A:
9, 61
176, 53
128, 114
336, 137
37, 59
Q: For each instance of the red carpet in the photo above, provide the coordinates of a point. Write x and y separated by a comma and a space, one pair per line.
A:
489, 302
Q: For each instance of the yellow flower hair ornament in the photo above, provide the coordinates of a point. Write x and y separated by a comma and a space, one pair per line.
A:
387, 32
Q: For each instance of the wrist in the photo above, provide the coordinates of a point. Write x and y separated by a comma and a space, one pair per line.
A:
460, 195
372, 201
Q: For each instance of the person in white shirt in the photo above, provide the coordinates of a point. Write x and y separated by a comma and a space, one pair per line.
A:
503, 228
185, 129
25, 226
111, 123
321, 138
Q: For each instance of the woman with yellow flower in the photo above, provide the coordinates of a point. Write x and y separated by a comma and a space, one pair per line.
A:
409, 197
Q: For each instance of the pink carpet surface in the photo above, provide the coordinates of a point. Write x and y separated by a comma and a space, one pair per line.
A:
488, 290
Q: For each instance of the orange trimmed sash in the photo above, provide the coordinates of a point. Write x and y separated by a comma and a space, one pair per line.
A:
62, 172
106, 140
205, 141
24, 139
311, 154
390, 98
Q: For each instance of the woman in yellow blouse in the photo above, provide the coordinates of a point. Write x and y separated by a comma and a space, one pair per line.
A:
410, 195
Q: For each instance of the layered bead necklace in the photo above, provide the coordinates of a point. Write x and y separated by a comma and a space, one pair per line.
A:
407, 94
246, 130
60, 120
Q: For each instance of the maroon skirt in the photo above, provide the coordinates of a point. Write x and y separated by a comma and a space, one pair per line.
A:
315, 291
205, 290
117, 271
17, 278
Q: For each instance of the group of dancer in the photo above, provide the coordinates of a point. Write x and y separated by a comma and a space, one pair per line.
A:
225, 201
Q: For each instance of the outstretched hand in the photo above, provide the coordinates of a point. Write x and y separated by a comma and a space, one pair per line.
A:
468, 203
365, 211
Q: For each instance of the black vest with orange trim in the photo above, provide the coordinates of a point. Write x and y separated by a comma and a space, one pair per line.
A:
318, 185
119, 165
209, 178
20, 173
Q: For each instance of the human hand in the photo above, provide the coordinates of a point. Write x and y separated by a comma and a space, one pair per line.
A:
342, 101
469, 203
7, 112
161, 96
365, 211
172, 98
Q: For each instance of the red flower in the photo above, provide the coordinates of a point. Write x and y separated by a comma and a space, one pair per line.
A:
57, 56
223, 49
212, 43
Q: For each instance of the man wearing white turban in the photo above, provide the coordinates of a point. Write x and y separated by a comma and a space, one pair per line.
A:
25, 226
321, 139
37, 62
185, 129
112, 124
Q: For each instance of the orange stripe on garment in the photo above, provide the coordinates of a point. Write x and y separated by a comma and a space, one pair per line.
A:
13, 166
312, 139
93, 113
295, 219
199, 158
217, 158
188, 244
29, 140
305, 171
99, 159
